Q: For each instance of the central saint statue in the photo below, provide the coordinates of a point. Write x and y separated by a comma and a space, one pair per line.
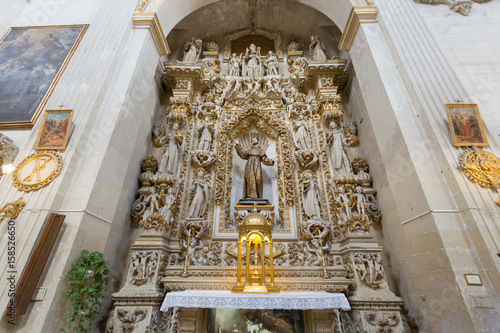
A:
253, 187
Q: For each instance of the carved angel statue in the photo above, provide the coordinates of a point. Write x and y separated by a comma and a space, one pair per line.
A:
315, 247
301, 137
311, 197
235, 64
192, 50
317, 49
252, 67
205, 129
170, 159
271, 64
337, 143
201, 189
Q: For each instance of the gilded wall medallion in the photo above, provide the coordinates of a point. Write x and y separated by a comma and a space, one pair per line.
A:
37, 170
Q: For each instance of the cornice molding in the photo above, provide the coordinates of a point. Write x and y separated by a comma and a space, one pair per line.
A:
358, 15
150, 21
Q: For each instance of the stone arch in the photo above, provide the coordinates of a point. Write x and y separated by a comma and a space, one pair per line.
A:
171, 12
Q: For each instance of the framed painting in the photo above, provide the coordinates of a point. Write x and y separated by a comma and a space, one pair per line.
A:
466, 125
54, 131
32, 60
242, 321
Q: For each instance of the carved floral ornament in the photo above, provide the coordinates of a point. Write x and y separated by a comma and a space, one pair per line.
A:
11, 210
463, 7
481, 167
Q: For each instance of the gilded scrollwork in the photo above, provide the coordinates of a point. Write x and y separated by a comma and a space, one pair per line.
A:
11, 210
481, 167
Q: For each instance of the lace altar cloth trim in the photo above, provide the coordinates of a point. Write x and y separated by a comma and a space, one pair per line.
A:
226, 300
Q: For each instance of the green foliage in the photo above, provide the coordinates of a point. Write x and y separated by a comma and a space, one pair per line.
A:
87, 282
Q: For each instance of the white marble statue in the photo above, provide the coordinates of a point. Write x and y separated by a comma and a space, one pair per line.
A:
192, 50
360, 199
302, 138
201, 189
170, 159
271, 64
252, 67
205, 142
345, 200
235, 64
337, 143
317, 49
168, 201
311, 197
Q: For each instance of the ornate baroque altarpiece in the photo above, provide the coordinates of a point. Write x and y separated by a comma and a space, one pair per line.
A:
310, 181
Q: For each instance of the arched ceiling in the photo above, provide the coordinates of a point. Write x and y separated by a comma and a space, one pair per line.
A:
230, 16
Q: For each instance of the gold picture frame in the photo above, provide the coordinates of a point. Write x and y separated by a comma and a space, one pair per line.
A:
466, 126
54, 130
33, 60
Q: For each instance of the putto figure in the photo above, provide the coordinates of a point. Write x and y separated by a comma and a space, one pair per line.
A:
253, 187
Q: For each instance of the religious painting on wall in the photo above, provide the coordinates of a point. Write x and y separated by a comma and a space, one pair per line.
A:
32, 59
54, 131
466, 125
254, 321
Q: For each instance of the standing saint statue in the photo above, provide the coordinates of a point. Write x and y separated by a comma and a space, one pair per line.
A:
253, 187
235, 64
252, 66
337, 142
201, 189
205, 142
170, 158
271, 64
192, 50
311, 197
301, 135
317, 49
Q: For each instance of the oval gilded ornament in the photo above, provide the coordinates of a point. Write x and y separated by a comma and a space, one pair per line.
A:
37, 170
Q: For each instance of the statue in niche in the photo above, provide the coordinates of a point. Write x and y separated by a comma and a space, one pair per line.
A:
301, 135
317, 49
201, 189
253, 187
311, 197
271, 64
337, 143
192, 50
168, 201
235, 64
205, 142
252, 67
170, 158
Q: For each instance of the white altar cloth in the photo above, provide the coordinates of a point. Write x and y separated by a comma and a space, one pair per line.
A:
226, 300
